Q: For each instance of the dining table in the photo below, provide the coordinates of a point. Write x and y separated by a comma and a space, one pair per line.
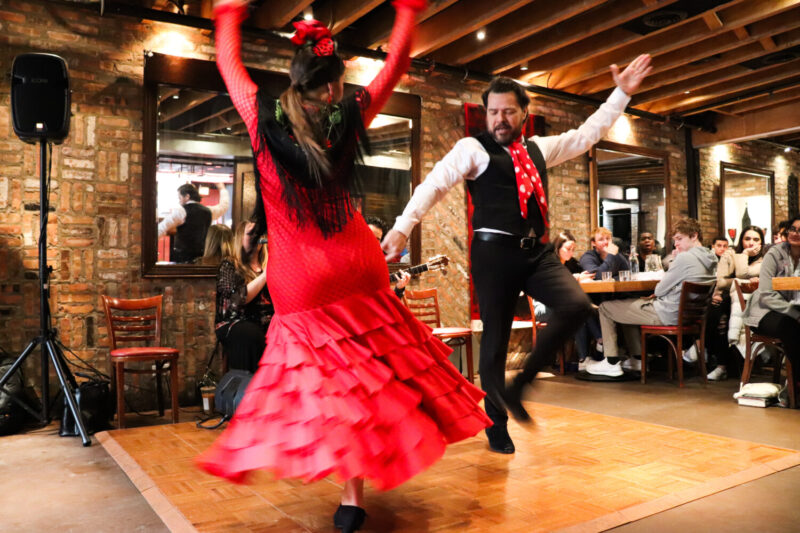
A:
635, 285
786, 283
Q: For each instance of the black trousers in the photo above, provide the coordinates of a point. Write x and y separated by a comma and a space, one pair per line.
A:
499, 273
787, 329
244, 345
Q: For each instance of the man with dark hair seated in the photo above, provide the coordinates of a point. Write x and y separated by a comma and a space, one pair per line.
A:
693, 262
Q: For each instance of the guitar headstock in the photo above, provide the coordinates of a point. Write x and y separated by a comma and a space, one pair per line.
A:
438, 262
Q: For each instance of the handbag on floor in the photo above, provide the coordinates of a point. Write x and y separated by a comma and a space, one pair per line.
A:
230, 391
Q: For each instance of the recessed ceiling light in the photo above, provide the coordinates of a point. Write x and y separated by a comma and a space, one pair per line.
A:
686, 92
787, 149
524, 66
481, 35
308, 16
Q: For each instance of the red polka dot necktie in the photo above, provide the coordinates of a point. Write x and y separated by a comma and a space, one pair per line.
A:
528, 181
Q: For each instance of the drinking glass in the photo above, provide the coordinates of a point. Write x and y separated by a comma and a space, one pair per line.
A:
624, 275
606, 276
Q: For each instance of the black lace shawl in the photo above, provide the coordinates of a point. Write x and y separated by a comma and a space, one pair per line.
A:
232, 303
328, 203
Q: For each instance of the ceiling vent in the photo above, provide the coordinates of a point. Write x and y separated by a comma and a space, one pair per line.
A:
775, 58
673, 14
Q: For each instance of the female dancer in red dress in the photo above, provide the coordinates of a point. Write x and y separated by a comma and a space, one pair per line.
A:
350, 382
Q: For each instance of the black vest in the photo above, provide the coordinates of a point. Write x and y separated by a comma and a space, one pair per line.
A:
494, 193
190, 237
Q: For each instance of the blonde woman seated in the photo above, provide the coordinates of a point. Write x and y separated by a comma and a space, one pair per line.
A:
744, 264
243, 308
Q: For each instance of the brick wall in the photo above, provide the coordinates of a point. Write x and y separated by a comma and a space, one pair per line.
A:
95, 228
756, 155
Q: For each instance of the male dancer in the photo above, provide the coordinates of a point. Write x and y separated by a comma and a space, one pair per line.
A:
507, 180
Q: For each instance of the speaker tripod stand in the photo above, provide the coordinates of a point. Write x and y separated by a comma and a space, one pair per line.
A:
47, 340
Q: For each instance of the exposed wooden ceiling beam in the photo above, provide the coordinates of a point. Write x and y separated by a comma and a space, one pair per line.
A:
762, 101
780, 119
677, 64
712, 20
512, 28
768, 44
458, 20
742, 33
339, 14
565, 34
762, 77
374, 28
698, 82
674, 37
188, 99
225, 112
276, 15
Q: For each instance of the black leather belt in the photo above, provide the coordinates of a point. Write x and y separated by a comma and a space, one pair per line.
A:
513, 241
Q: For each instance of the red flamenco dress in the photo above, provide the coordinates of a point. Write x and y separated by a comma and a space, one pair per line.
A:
350, 382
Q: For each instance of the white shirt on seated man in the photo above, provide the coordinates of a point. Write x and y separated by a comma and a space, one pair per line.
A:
693, 262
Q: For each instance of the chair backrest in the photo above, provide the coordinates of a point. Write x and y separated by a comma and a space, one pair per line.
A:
424, 304
533, 321
132, 321
746, 288
695, 299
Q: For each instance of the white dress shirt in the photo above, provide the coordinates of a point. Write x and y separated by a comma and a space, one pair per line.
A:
468, 160
177, 215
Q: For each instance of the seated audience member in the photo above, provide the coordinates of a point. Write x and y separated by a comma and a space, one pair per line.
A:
777, 313
604, 255
720, 246
564, 247
189, 222
693, 263
780, 235
743, 265
648, 254
219, 242
378, 227
243, 307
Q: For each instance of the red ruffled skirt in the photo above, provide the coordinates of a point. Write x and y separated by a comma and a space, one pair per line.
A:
358, 388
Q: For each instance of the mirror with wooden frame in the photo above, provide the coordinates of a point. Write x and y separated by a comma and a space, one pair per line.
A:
628, 190
198, 164
746, 199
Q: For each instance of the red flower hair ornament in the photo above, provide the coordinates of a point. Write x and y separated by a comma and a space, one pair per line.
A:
315, 34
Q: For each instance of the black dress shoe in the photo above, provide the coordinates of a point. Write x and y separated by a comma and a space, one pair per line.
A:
512, 397
349, 518
499, 439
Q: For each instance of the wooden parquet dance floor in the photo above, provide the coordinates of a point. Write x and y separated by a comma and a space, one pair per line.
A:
573, 471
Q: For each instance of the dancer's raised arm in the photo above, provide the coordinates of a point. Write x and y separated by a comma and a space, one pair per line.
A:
398, 61
229, 15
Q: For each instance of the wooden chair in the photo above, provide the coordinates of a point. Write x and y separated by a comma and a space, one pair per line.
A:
139, 321
424, 304
562, 352
753, 337
692, 312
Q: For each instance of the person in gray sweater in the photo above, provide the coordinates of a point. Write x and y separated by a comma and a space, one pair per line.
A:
777, 313
693, 263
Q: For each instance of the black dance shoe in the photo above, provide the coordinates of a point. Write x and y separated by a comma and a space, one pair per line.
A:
349, 518
499, 439
512, 397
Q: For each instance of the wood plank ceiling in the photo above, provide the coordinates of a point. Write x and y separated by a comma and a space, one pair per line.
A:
737, 59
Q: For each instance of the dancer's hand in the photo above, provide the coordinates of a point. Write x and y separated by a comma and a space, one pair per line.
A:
405, 277
630, 78
393, 245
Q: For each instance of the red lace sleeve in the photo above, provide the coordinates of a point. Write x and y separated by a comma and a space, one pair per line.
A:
397, 62
241, 88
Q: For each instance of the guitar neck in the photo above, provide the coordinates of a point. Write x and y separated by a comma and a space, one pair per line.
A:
418, 269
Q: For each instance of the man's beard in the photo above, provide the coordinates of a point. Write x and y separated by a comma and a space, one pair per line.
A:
506, 139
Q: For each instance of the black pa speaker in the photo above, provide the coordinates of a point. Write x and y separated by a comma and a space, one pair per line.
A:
40, 97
